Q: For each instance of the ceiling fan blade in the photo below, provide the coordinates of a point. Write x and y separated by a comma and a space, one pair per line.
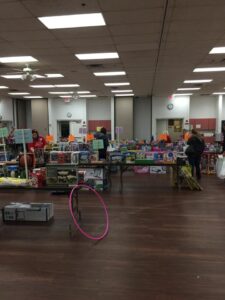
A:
11, 73
18, 70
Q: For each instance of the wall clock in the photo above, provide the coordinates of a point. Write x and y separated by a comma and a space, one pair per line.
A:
170, 106
69, 115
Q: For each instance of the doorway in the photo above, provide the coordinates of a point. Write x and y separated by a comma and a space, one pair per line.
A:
65, 128
174, 127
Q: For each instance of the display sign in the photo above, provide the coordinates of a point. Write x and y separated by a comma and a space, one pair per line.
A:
83, 130
97, 144
23, 135
4, 132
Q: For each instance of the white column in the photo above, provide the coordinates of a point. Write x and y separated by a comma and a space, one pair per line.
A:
112, 118
219, 113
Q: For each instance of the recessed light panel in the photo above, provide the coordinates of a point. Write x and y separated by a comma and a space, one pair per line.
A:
87, 96
177, 95
93, 56
66, 85
3, 87
210, 69
122, 91
60, 93
19, 93
198, 81
116, 83
42, 86
188, 89
17, 59
217, 50
116, 73
124, 95
54, 75
219, 93
33, 97
73, 21
12, 76
83, 92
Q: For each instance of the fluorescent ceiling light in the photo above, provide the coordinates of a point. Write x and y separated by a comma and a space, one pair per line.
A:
83, 92
73, 21
122, 91
66, 85
87, 96
116, 83
60, 93
116, 73
2, 87
219, 93
124, 95
198, 81
66, 96
188, 94
17, 59
217, 50
54, 75
33, 97
12, 76
42, 86
189, 89
19, 93
88, 56
210, 69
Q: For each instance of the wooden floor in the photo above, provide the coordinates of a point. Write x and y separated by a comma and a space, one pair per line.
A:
163, 244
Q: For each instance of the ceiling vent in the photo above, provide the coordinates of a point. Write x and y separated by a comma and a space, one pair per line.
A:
95, 66
205, 94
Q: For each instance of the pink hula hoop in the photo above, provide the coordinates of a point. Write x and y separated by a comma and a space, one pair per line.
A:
87, 235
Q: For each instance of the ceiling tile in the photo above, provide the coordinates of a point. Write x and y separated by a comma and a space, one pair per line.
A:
10, 10
60, 7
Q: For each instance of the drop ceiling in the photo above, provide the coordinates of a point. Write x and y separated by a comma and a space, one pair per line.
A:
159, 42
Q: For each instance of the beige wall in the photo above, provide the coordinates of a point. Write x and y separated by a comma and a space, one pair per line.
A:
124, 116
39, 112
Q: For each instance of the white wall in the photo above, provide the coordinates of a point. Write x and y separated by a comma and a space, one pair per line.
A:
142, 118
203, 107
58, 110
223, 109
6, 109
160, 111
99, 108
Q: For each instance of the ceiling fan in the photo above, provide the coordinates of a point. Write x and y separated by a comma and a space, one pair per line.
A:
28, 73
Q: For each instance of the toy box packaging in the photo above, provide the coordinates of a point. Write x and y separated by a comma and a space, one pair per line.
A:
157, 170
75, 157
84, 157
38, 212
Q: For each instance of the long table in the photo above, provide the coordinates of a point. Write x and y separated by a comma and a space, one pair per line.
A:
123, 167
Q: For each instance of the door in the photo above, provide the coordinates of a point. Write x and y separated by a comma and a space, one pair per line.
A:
161, 126
75, 128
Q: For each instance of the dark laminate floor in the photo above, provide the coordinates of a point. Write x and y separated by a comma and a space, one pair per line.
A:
163, 244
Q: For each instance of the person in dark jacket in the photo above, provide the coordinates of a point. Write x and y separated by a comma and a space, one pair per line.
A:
102, 135
223, 131
196, 146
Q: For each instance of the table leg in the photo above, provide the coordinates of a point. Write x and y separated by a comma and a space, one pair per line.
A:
121, 179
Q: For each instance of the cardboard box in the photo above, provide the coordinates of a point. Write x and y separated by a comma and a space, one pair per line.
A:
38, 212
